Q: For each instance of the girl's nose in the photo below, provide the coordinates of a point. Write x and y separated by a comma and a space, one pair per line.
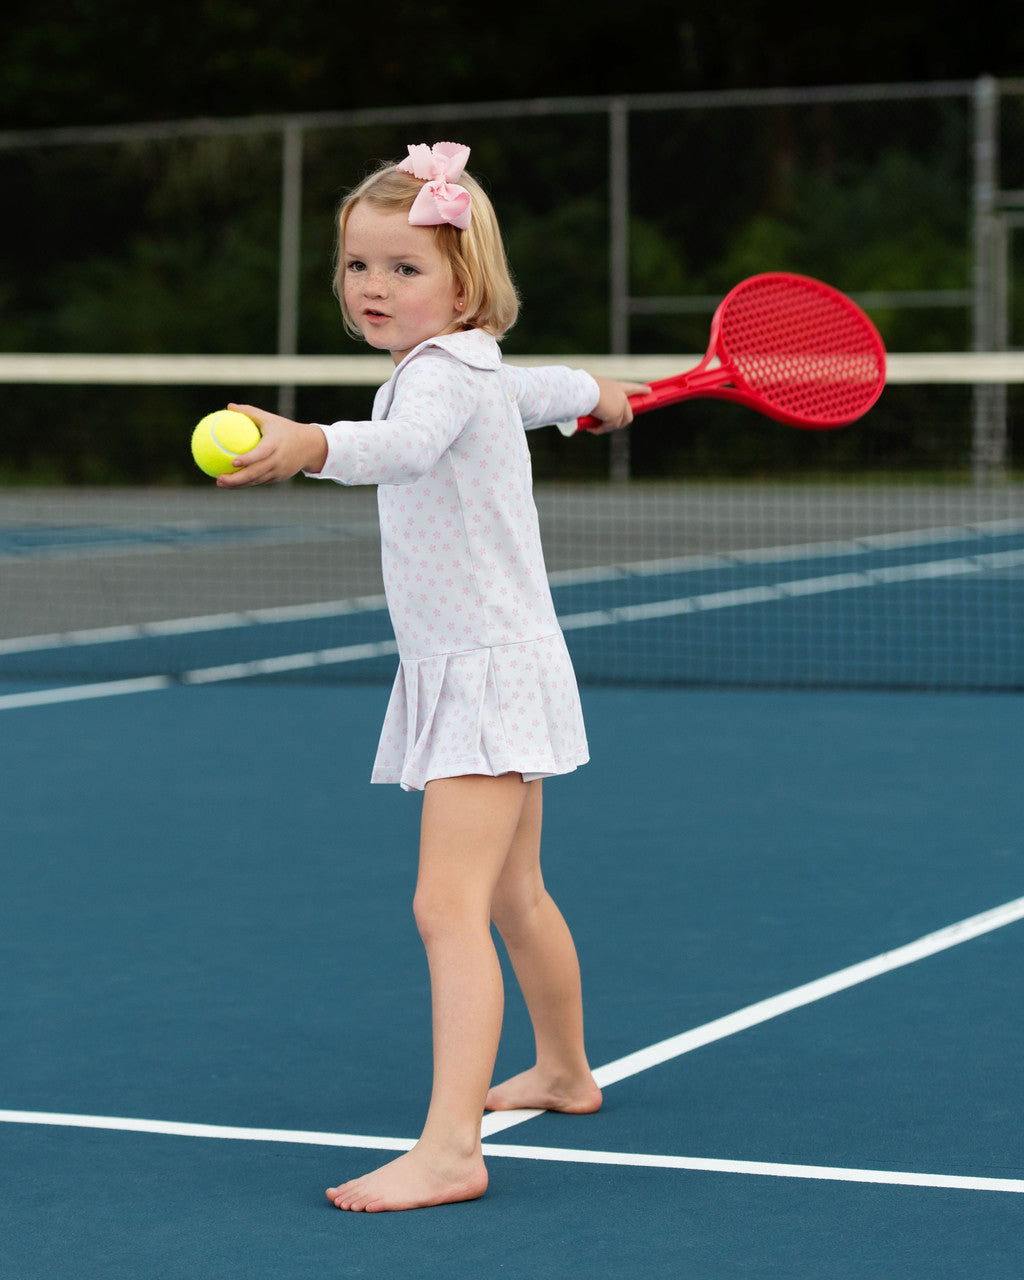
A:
374, 283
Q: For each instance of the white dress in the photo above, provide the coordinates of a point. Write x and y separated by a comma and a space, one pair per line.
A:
485, 684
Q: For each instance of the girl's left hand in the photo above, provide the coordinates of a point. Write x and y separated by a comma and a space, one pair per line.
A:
286, 449
613, 408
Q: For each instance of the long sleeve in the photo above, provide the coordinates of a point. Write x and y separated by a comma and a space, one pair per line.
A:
550, 394
430, 404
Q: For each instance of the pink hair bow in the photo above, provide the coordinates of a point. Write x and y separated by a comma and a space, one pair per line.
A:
441, 199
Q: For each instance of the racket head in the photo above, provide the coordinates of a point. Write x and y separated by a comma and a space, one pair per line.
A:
797, 350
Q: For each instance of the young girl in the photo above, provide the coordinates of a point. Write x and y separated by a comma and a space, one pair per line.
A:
485, 703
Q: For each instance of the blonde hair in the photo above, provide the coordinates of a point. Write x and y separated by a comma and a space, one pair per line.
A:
476, 255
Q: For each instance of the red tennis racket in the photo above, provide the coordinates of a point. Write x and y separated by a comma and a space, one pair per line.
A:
788, 346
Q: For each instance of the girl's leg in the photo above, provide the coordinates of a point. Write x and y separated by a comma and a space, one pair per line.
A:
543, 956
467, 830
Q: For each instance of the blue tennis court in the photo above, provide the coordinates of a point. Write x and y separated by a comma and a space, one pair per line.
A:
793, 870
215, 1000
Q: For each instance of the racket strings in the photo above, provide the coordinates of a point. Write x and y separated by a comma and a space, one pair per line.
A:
808, 353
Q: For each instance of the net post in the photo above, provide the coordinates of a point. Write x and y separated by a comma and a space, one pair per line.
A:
291, 231
989, 442
618, 221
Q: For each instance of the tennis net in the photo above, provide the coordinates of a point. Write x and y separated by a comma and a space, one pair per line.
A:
888, 555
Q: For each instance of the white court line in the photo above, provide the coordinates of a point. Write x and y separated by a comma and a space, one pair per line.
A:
81, 692
273, 614
826, 1173
186, 1129
738, 597
290, 662
764, 1010
561, 1155
621, 1069
202, 675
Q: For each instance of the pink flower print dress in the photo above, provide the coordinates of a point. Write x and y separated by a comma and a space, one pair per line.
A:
485, 684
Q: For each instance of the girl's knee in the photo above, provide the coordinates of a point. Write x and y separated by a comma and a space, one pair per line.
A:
428, 914
513, 909
442, 916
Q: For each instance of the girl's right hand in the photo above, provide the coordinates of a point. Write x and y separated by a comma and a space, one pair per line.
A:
613, 409
286, 449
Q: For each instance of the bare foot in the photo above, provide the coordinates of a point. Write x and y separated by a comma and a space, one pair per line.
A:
413, 1181
533, 1090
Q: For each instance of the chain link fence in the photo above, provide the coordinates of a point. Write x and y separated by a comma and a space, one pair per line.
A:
627, 218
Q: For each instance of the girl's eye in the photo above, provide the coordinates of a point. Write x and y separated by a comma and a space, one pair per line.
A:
356, 266
407, 270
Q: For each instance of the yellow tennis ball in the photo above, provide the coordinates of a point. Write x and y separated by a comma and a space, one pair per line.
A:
221, 436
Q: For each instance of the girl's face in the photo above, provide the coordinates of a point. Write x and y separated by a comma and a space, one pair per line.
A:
398, 286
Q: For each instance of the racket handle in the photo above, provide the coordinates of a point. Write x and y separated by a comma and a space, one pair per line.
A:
664, 391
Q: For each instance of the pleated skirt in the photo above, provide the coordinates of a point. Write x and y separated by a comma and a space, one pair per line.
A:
511, 709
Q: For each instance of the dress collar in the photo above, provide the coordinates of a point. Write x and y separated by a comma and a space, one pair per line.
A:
474, 347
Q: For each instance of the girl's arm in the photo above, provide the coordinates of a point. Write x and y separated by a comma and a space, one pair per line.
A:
555, 394
428, 410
